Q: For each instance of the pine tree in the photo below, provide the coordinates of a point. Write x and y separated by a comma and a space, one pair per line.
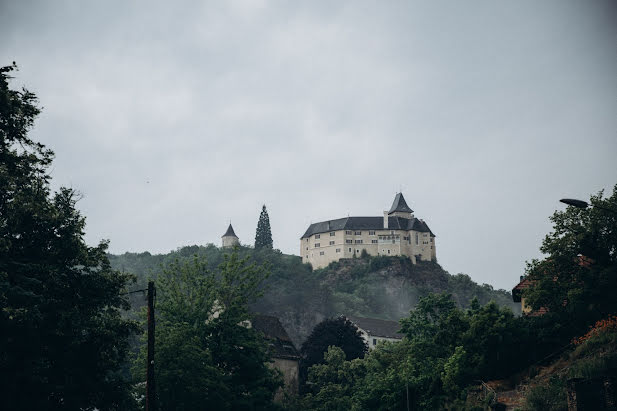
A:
263, 236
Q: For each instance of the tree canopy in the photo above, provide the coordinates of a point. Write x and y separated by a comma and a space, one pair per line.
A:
577, 278
62, 338
338, 332
263, 235
206, 356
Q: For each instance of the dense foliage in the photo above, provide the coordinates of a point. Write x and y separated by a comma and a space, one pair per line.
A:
332, 332
339, 332
263, 235
445, 349
62, 338
577, 280
377, 287
206, 356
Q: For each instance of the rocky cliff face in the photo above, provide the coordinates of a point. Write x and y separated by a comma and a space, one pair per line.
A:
378, 287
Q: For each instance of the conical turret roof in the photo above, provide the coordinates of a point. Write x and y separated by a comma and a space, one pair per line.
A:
229, 232
400, 204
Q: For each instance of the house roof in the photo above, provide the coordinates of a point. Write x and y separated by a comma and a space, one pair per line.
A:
230, 232
518, 289
400, 204
376, 327
368, 223
275, 333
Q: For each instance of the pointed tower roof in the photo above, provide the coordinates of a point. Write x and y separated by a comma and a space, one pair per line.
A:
399, 204
229, 232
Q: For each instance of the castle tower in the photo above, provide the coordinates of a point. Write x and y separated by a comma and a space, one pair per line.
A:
230, 238
400, 208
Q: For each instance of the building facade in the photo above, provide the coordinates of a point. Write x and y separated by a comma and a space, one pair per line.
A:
374, 330
398, 232
285, 357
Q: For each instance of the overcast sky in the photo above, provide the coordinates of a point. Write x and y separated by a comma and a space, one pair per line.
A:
173, 118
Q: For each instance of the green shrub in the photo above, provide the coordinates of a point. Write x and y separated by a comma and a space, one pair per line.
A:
548, 397
594, 367
377, 263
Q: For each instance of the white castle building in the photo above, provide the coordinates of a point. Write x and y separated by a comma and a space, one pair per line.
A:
398, 232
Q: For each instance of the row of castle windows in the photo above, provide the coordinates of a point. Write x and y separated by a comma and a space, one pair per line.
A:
383, 238
338, 250
392, 237
371, 232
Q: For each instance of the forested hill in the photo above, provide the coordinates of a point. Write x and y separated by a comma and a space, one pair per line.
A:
378, 287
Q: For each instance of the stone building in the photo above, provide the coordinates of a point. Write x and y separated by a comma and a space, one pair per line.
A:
284, 354
398, 232
374, 330
230, 238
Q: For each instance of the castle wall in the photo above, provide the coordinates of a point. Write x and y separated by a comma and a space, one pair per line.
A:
321, 249
230, 241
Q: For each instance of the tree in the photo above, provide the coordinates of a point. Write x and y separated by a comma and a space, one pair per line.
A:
333, 382
62, 337
206, 356
263, 235
576, 281
338, 332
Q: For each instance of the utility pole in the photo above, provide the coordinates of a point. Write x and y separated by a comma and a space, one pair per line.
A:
407, 387
150, 386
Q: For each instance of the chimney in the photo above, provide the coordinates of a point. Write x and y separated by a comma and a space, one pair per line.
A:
385, 219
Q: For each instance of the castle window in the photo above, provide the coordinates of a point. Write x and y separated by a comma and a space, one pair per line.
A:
350, 249
358, 241
333, 233
388, 251
338, 250
371, 233
348, 232
417, 239
317, 245
374, 341
349, 241
331, 242
374, 241
307, 248
358, 232
321, 253
317, 236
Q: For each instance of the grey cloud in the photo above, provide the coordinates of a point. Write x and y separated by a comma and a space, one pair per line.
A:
175, 118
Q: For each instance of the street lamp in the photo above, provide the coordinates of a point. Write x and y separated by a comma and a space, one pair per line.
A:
575, 203
583, 204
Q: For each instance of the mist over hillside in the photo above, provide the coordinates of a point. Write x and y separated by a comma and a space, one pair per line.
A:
378, 287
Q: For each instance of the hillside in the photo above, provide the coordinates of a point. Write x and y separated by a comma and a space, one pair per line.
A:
380, 287
587, 368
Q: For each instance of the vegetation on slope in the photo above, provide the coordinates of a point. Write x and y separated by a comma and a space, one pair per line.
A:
379, 287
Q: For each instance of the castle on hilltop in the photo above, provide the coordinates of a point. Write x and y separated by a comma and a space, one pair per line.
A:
398, 232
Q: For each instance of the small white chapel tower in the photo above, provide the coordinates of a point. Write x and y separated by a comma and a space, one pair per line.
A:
230, 238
